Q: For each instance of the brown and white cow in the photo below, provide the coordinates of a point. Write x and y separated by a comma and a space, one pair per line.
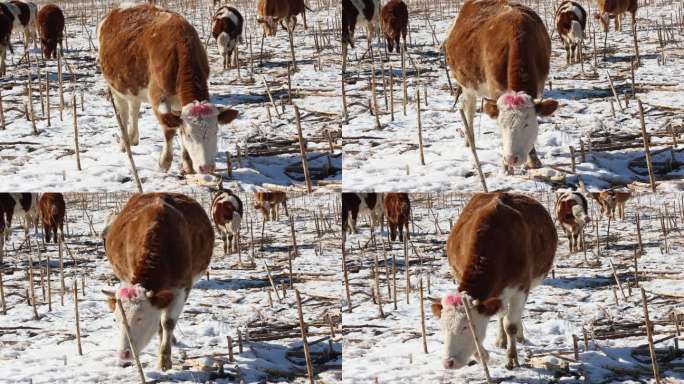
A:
23, 15
52, 210
25, 204
272, 12
571, 21
159, 245
227, 30
268, 202
165, 65
394, 17
5, 35
501, 51
362, 12
573, 214
355, 204
611, 199
615, 9
501, 247
50, 29
227, 212
398, 212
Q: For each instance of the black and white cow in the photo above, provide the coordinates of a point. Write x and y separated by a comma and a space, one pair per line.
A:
354, 204
361, 12
25, 204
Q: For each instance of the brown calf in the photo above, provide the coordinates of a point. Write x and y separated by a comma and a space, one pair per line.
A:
362, 12
615, 9
227, 212
52, 210
611, 199
159, 246
501, 51
502, 245
394, 17
571, 21
268, 203
50, 29
398, 211
165, 64
572, 213
272, 12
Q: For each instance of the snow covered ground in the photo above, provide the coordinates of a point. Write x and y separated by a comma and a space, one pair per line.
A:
233, 299
387, 159
578, 296
47, 161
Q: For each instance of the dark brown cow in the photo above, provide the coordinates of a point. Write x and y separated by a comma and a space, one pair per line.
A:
573, 214
272, 12
165, 64
267, 203
5, 35
227, 30
571, 21
398, 211
159, 246
52, 210
611, 199
227, 212
51, 29
353, 204
502, 245
501, 51
394, 16
361, 12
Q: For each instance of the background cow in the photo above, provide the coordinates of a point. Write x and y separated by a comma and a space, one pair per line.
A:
611, 199
23, 14
615, 9
268, 202
5, 36
227, 30
52, 209
170, 73
509, 70
394, 16
226, 210
571, 21
353, 204
51, 29
272, 12
159, 246
361, 12
502, 246
25, 204
572, 213
398, 211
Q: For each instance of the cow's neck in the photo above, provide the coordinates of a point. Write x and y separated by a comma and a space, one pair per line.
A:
191, 84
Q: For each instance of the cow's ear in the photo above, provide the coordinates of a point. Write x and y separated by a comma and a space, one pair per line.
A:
170, 120
491, 109
545, 107
111, 300
161, 299
489, 307
436, 308
226, 115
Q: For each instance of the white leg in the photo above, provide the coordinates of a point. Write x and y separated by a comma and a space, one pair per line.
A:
513, 326
469, 101
501, 338
133, 113
169, 317
167, 150
122, 107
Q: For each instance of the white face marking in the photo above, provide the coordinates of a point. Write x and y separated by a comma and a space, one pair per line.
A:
199, 136
459, 345
143, 322
519, 129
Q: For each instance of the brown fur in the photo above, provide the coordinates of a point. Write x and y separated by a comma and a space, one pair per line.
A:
503, 45
52, 210
609, 200
615, 8
273, 198
279, 10
160, 241
500, 240
50, 29
398, 211
394, 17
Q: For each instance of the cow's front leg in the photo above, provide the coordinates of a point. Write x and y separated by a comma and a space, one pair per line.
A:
469, 101
167, 150
187, 163
501, 341
533, 161
133, 114
122, 109
169, 317
513, 327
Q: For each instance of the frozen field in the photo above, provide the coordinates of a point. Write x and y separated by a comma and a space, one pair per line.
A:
233, 300
580, 296
387, 158
268, 146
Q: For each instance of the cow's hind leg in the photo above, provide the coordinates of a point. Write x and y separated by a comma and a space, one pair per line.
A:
501, 341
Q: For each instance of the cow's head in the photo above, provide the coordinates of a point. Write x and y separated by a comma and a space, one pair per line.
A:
516, 116
143, 312
269, 25
459, 345
198, 122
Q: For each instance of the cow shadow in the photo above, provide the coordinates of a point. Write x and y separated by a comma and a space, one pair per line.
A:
231, 284
580, 282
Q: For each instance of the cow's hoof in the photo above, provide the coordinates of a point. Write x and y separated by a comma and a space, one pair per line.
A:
502, 342
164, 364
533, 164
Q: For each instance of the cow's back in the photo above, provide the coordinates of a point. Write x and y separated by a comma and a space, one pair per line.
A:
617, 6
501, 240
503, 44
52, 208
156, 43
397, 208
51, 21
160, 240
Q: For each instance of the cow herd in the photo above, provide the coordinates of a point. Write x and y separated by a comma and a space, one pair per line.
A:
502, 245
